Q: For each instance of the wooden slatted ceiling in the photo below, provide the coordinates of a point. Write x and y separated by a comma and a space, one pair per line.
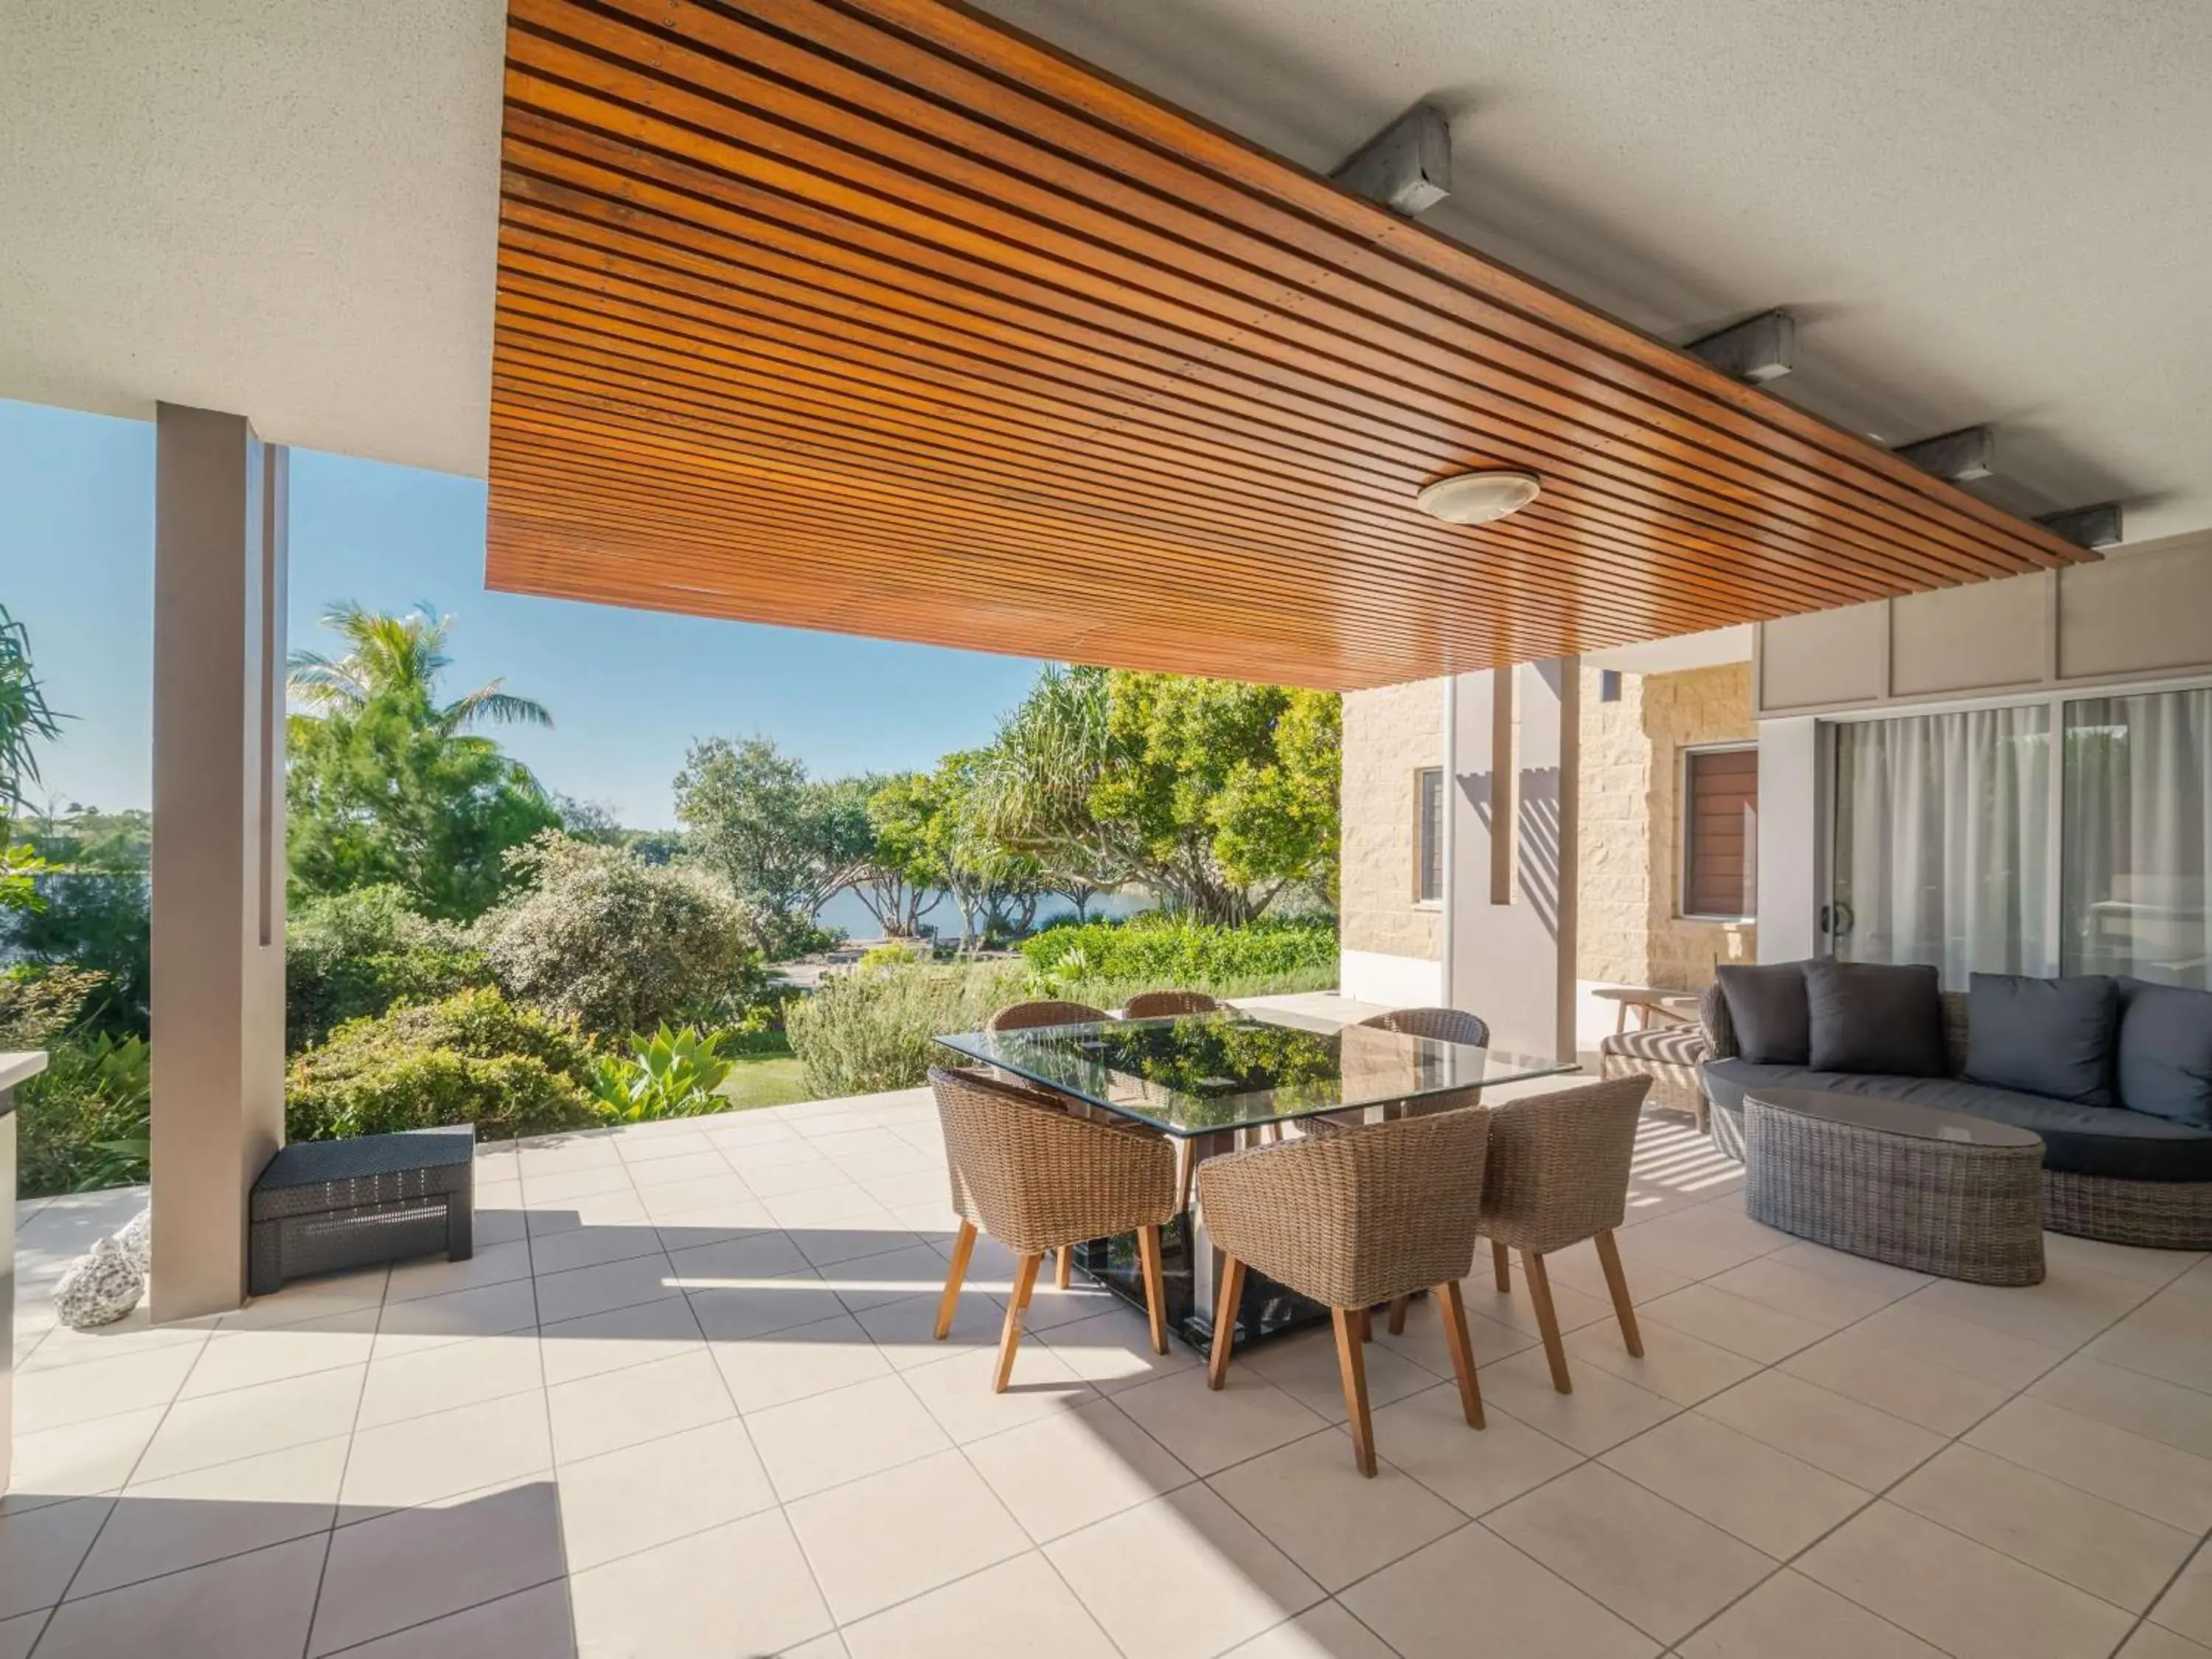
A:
875, 316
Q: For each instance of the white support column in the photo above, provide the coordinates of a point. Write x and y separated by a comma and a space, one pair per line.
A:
218, 912
1791, 816
1512, 933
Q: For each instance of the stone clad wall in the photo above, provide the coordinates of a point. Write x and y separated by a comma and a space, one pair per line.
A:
1388, 734
1628, 932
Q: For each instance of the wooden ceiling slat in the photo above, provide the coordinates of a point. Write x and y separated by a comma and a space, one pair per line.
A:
873, 316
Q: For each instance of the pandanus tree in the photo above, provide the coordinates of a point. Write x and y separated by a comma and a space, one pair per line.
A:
399, 659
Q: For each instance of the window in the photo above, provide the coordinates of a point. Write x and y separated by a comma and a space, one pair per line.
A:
1720, 833
2137, 836
1429, 834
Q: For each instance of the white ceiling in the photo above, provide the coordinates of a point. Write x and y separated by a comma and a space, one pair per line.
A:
1988, 210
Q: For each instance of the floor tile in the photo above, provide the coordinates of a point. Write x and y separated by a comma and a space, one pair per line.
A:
576, 1348
602, 1289
786, 1365
2144, 1475
1603, 1411
1959, 1345
1964, 1597
1854, 1442
736, 1263
1675, 1366
423, 1460
198, 1434
82, 1459
831, 1438
1423, 1339
1576, 1309
133, 1333
250, 1607
1182, 1577
2067, 1309
2187, 1607
731, 1314
2154, 1642
1019, 1607
1209, 1430
1770, 1500
2170, 1336
18, 1634
1327, 1631
1736, 1323
492, 1264
401, 1568
869, 1281
1472, 1596
743, 1589
1066, 1471
101, 1387
1577, 1267
462, 1373
1304, 1367
1854, 1365
41, 1550
1699, 1243
686, 1229
615, 1409
2110, 1552
1473, 1470
531, 1624
1789, 1614
623, 1502
590, 1232
957, 1392
707, 1165
2154, 1268
1313, 1504
541, 1191
240, 1359
310, 1298
1824, 1299
1113, 1349
1881, 1276
906, 1331
2135, 1400
488, 1311
189, 1519
889, 1536
1652, 1563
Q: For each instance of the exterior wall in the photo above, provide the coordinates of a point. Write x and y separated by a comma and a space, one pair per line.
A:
1629, 830
1389, 733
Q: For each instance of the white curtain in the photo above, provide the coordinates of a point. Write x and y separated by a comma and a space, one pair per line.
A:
1942, 852
2138, 832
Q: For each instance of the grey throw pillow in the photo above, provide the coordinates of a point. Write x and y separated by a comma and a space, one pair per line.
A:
2042, 1036
1875, 1018
2165, 1052
1766, 1006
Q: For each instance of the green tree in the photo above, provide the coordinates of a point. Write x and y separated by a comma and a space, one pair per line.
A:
902, 883
399, 658
785, 842
25, 722
377, 795
994, 886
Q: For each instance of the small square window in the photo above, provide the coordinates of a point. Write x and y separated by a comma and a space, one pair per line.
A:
1720, 833
1429, 834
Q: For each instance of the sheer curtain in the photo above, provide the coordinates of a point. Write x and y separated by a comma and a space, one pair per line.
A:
2138, 834
1942, 852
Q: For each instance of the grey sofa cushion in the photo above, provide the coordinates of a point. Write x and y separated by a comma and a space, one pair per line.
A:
1875, 1017
1766, 1006
2042, 1036
2090, 1140
2165, 1052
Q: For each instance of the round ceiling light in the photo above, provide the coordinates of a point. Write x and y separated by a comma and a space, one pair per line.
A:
1478, 498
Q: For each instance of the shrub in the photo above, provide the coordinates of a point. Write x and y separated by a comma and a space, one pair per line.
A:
351, 956
1284, 954
98, 920
37, 1004
472, 1058
862, 1032
670, 1074
618, 945
82, 1123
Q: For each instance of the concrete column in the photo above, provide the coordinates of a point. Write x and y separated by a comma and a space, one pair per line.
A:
1517, 744
1793, 814
218, 970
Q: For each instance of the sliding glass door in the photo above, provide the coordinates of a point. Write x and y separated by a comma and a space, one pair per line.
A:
1957, 841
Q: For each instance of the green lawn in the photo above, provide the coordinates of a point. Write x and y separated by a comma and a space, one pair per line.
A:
763, 1080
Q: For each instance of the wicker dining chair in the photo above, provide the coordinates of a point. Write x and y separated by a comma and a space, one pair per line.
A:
1036, 1179
1438, 1024
1558, 1174
1349, 1219
1027, 1016
1162, 1005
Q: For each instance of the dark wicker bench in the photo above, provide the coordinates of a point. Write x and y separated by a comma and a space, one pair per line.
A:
322, 1205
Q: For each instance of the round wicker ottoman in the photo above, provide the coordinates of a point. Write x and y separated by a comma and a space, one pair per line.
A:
1936, 1192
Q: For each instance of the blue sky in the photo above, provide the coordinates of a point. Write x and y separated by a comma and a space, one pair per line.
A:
628, 688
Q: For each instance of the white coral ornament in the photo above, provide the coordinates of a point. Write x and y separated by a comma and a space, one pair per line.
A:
99, 1287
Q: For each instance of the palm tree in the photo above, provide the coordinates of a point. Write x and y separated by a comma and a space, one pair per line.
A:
24, 719
402, 655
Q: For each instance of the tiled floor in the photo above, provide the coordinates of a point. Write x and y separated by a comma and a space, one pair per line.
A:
683, 1401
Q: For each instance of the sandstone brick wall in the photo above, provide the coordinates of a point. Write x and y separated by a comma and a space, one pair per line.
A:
1628, 929
1388, 734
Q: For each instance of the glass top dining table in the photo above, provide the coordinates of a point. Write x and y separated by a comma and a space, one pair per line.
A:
1203, 1075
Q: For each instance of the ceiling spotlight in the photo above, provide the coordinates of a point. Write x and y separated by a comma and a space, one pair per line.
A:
1478, 498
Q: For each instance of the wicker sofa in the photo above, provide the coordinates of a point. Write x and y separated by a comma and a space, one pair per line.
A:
2108, 1173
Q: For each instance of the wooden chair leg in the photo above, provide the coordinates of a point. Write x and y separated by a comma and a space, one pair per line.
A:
1025, 1281
962, 1248
1608, 1257
1548, 1319
1365, 1320
1225, 1320
1156, 1291
1351, 1362
1398, 1306
1501, 1267
1462, 1350
1063, 1270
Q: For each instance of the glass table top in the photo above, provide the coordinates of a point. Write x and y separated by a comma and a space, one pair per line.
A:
1202, 1073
